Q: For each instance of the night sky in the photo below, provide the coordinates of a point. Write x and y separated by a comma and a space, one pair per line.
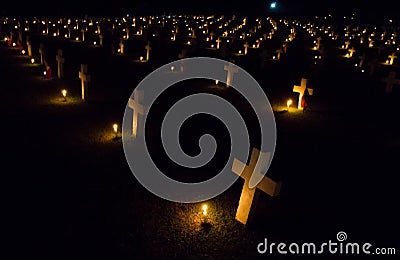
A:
248, 7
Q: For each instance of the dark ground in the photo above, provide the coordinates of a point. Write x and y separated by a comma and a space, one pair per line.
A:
68, 192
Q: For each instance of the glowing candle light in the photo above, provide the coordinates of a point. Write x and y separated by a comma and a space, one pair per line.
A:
115, 128
204, 208
289, 103
32, 60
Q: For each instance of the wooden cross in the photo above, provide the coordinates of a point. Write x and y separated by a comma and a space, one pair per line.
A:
246, 45
41, 51
231, 70
392, 58
138, 109
253, 175
148, 48
60, 61
218, 41
85, 79
390, 81
301, 90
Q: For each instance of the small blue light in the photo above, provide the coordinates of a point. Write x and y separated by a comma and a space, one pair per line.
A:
273, 5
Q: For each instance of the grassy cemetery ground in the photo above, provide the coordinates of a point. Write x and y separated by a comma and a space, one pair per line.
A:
69, 193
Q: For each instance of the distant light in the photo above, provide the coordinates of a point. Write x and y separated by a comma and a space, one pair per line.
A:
172, 68
115, 128
273, 5
141, 58
32, 60
64, 93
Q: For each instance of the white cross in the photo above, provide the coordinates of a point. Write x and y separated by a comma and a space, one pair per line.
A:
138, 109
211, 36
101, 39
347, 44
148, 48
391, 80
231, 70
85, 78
392, 58
41, 51
279, 52
253, 175
246, 45
218, 41
83, 34
121, 47
29, 48
362, 60
351, 52
301, 89
60, 61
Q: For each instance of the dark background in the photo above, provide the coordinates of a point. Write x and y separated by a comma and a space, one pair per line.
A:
367, 9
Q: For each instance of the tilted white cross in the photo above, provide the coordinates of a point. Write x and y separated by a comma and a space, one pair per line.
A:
60, 61
301, 90
351, 52
85, 79
390, 82
138, 109
254, 177
148, 48
231, 70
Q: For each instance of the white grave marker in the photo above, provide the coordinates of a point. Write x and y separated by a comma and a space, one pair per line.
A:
60, 62
392, 58
85, 79
231, 71
29, 46
41, 51
248, 172
390, 82
301, 90
138, 109
121, 47
148, 48
218, 41
246, 46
